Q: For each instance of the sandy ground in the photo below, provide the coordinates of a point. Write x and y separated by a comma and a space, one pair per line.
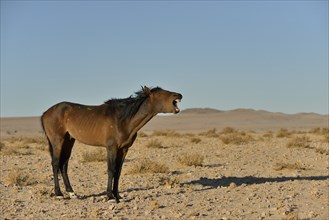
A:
202, 174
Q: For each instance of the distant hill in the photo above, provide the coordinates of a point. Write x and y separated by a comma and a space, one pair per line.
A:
242, 111
200, 111
194, 120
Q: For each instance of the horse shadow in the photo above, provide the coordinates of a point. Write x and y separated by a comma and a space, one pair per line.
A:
211, 183
103, 194
248, 180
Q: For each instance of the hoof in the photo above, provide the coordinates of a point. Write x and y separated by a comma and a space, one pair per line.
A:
60, 197
124, 200
111, 198
73, 195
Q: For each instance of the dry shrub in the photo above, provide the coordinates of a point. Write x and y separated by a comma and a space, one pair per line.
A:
319, 131
268, 134
154, 143
228, 130
326, 138
169, 181
18, 178
25, 145
166, 133
210, 133
142, 134
189, 135
236, 137
94, 156
2, 146
191, 159
38, 140
35, 140
9, 151
322, 150
283, 133
195, 140
299, 142
13, 150
148, 166
288, 166
154, 205
291, 215
44, 191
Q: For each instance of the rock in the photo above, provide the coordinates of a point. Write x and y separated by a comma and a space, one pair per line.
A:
232, 185
111, 207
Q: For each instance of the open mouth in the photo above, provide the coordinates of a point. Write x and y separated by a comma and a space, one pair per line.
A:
175, 105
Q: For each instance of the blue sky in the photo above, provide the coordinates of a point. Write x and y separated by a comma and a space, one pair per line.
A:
270, 55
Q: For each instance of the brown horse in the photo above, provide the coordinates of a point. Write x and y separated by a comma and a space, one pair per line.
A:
113, 125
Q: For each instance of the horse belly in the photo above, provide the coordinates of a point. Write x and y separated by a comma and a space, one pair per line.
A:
87, 133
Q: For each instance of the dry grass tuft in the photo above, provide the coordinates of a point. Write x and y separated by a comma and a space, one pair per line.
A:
236, 137
142, 134
18, 178
195, 140
5, 151
148, 166
268, 134
322, 150
169, 181
2, 146
154, 143
189, 135
283, 133
194, 159
291, 215
36, 140
24, 145
299, 142
319, 131
98, 155
39, 140
166, 133
210, 133
289, 166
228, 130
14, 150
154, 205
326, 137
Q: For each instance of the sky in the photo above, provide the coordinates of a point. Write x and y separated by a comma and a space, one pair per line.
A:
264, 55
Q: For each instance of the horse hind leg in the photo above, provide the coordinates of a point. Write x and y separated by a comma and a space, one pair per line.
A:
56, 148
63, 164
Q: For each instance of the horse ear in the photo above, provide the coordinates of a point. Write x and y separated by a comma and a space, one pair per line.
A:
147, 90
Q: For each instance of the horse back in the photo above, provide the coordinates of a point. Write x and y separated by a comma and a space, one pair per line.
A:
88, 124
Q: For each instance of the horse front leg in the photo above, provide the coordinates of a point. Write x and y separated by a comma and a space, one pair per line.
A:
122, 152
111, 168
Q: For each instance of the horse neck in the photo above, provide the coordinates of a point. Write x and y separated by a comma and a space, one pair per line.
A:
143, 115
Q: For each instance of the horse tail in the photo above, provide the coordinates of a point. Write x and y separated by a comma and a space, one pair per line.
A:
44, 130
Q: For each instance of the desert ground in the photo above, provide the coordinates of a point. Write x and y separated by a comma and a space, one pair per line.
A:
200, 164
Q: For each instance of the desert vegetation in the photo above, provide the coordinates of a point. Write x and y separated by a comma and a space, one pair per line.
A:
229, 173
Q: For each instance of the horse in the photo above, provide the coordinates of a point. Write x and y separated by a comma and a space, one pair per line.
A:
113, 125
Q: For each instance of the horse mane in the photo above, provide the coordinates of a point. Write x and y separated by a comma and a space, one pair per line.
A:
128, 107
